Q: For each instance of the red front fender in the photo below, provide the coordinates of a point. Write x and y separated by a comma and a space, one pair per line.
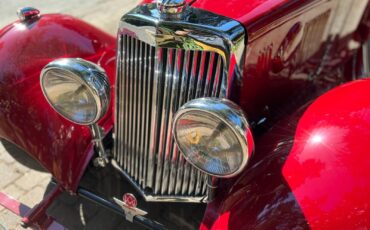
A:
26, 119
309, 171
328, 168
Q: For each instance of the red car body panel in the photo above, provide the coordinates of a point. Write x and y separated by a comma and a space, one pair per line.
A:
314, 174
328, 167
260, 197
281, 57
26, 119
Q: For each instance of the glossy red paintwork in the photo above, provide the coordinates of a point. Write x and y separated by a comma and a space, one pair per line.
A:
328, 167
280, 58
276, 82
314, 174
279, 63
26, 119
246, 12
260, 198
37, 216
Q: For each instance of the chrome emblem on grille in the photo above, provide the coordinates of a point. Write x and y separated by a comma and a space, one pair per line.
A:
128, 204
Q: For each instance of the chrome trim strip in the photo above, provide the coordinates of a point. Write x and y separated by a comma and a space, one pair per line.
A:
118, 103
126, 86
366, 58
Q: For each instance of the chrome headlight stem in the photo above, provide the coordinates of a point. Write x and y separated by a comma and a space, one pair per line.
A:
63, 79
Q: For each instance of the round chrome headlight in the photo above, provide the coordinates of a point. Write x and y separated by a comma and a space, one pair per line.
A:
214, 136
77, 89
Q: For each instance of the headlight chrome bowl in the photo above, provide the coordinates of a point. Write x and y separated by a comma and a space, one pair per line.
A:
77, 89
214, 136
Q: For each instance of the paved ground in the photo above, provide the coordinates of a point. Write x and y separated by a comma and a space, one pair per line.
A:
21, 182
16, 179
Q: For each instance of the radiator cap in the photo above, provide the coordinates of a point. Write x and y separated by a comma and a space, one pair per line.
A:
171, 6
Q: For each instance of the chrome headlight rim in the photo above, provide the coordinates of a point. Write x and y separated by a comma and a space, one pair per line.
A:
83, 72
241, 131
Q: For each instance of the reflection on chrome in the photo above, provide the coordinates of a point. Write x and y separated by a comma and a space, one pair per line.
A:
163, 63
212, 134
77, 89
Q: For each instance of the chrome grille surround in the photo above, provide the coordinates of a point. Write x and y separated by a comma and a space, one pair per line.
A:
161, 64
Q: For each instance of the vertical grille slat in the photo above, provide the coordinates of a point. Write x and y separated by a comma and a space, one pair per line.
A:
188, 180
182, 99
141, 112
175, 66
150, 76
121, 104
153, 83
135, 121
128, 105
198, 72
167, 84
130, 111
119, 99
204, 187
209, 75
144, 114
156, 94
179, 80
217, 77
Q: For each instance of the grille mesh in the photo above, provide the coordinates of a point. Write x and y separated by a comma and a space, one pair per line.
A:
151, 85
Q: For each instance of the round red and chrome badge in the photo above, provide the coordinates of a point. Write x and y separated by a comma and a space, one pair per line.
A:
130, 200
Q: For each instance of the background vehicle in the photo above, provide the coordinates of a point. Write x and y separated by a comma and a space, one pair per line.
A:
278, 57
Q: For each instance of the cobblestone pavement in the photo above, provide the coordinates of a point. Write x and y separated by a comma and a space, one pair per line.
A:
22, 183
16, 179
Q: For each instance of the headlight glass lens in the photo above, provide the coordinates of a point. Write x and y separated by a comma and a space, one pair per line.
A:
208, 143
69, 96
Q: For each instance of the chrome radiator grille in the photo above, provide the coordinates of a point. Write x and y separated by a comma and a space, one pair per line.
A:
163, 62
152, 83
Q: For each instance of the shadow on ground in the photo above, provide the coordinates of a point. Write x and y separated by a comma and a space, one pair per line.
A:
21, 156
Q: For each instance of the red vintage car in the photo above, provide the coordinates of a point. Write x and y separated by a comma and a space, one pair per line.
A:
199, 114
